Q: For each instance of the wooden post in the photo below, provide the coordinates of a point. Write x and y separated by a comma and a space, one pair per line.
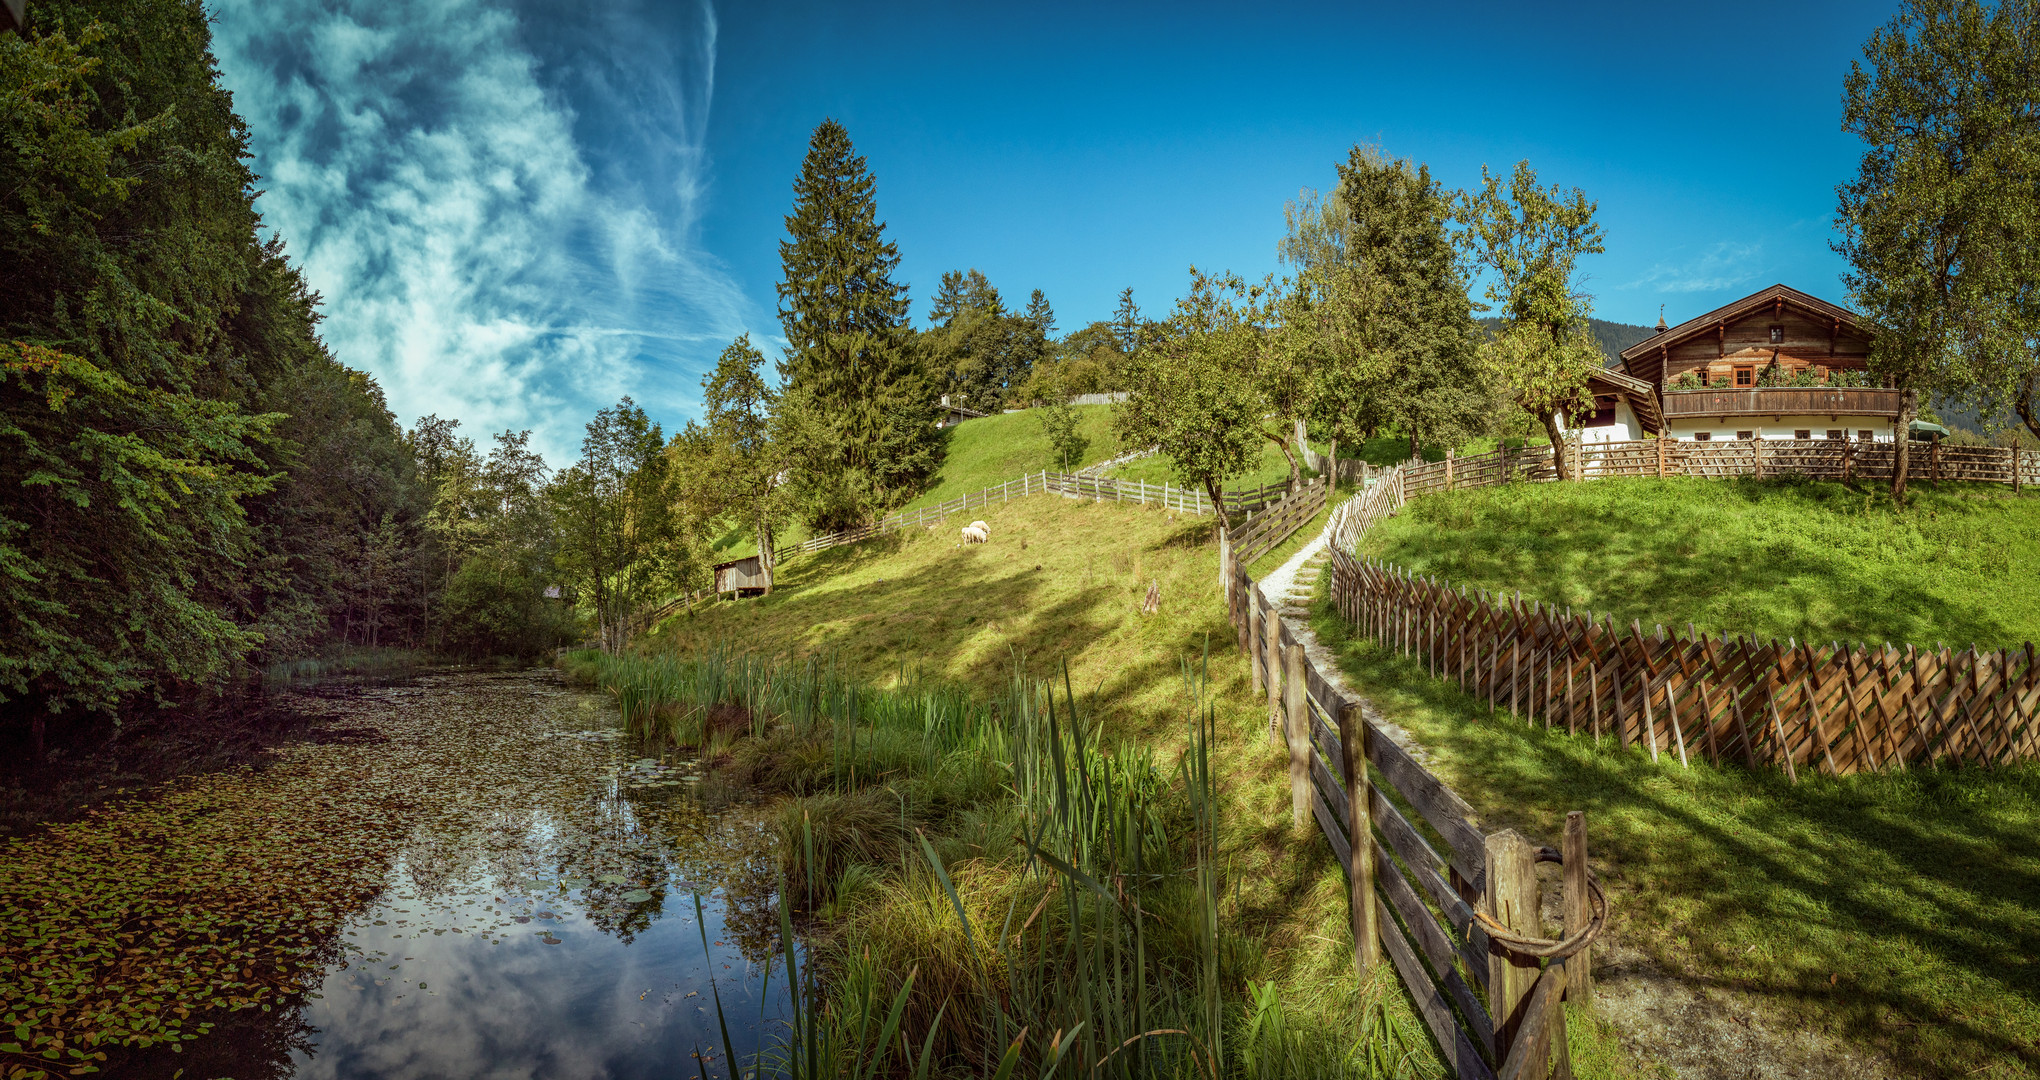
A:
1511, 900
1579, 909
1360, 828
1297, 728
1255, 618
1271, 663
1661, 457
1448, 468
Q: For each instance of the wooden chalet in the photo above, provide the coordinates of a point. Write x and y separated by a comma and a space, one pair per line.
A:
1708, 374
742, 577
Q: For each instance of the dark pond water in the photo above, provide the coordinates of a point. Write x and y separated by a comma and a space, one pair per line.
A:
538, 918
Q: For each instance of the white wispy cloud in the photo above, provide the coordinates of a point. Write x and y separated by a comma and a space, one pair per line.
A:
487, 250
1723, 266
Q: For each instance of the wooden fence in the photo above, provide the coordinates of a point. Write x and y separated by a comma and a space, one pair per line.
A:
1833, 708
1456, 908
1822, 459
1260, 535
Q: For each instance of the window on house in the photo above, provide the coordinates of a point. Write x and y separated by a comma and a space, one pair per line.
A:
1745, 376
1745, 435
1703, 436
1835, 433
1802, 434
1867, 435
1777, 335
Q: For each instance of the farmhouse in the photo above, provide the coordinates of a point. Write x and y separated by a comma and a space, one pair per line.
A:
1778, 364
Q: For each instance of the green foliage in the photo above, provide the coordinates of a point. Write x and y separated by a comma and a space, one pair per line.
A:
858, 410
1798, 559
172, 500
1530, 238
985, 451
1063, 426
490, 609
620, 537
1088, 361
981, 354
1193, 389
1381, 309
732, 465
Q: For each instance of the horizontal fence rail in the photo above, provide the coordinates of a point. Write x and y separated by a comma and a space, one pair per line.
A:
1832, 708
1425, 881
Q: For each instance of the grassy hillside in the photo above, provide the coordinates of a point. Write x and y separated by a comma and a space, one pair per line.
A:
1269, 468
995, 449
1777, 558
1899, 912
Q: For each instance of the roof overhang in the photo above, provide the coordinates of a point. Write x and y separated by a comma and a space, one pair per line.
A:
1775, 298
1642, 396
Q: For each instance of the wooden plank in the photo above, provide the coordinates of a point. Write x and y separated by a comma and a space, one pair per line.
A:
1530, 1056
1511, 899
1423, 863
1437, 947
1459, 1052
1446, 811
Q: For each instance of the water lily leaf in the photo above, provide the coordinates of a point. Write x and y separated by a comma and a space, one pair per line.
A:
637, 896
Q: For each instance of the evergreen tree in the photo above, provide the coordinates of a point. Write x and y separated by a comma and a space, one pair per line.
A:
1126, 322
1041, 314
858, 412
741, 463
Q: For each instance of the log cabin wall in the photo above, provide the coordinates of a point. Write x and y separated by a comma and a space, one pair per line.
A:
1812, 334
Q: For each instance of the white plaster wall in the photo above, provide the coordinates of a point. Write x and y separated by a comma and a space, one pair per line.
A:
1772, 428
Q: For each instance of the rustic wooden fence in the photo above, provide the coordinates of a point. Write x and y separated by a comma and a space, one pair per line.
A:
1823, 459
1833, 708
1260, 534
1456, 908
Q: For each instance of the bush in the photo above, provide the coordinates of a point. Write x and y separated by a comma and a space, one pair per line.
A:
491, 610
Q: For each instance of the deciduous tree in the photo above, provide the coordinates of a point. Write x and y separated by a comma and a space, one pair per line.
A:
1530, 240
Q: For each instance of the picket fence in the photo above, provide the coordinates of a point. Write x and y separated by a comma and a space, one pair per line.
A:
1836, 708
1847, 460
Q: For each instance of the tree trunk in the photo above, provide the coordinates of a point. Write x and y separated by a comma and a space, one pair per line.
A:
1295, 475
1557, 434
1902, 455
2027, 407
765, 553
1416, 450
1332, 465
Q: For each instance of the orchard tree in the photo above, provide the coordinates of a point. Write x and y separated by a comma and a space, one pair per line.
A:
1940, 225
858, 410
1193, 391
1530, 239
619, 537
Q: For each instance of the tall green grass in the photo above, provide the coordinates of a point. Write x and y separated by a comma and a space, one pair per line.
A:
988, 890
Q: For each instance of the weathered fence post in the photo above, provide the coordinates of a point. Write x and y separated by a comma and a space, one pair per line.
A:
1271, 662
1579, 911
1511, 900
1360, 829
1297, 727
1254, 620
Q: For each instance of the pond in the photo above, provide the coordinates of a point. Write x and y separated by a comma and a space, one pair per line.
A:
476, 875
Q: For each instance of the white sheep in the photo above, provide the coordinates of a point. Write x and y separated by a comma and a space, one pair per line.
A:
981, 527
974, 535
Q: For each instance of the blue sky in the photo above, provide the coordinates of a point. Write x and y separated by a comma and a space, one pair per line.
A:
519, 212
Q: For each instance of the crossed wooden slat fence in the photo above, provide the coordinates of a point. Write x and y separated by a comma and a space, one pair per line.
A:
1429, 887
1825, 459
1833, 708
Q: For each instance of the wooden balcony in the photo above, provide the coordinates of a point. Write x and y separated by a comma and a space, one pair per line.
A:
1783, 401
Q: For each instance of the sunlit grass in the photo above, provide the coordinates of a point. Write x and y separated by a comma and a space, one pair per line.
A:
1789, 558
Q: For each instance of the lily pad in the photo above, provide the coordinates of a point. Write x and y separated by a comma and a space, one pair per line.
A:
636, 896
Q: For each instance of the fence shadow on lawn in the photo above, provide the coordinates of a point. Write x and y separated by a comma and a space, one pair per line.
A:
1899, 909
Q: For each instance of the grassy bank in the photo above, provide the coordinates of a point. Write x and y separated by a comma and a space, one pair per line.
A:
945, 854
1061, 584
1900, 912
991, 450
1816, 561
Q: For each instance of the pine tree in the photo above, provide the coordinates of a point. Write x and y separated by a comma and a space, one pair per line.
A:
858, 412
1041, 314
1126, 322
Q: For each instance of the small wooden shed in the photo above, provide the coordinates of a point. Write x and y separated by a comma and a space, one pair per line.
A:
744, 577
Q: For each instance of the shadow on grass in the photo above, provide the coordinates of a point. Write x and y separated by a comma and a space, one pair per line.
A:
1810, 560
1899, 910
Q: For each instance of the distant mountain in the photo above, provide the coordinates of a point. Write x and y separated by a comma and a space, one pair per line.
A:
1613, 336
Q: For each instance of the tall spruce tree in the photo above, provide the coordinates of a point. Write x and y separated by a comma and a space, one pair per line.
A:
858, 412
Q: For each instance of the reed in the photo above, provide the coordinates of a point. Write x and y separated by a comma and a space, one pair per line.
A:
988, 888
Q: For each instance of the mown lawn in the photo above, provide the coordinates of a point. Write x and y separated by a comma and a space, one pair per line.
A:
1897, 911
1815, 561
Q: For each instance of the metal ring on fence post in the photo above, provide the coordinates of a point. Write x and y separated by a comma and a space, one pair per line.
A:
1524, 945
